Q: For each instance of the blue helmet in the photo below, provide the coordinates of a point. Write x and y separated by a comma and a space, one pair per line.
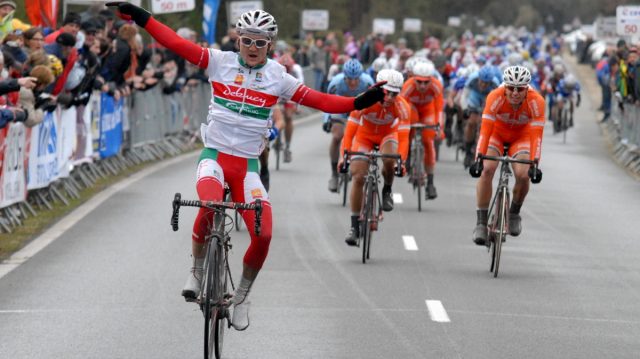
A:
485, 74
352, 69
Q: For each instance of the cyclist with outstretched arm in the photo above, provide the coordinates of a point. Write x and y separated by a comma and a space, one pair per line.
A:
244, 89
513, 115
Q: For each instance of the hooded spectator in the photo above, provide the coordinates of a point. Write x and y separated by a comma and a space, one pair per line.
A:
12, 43
70, 24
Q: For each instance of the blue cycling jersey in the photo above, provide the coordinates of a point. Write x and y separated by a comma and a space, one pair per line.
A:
476, 96
338, 86
566, 92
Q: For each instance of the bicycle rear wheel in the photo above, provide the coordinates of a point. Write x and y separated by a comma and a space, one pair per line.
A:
565, 124
277, 146
502, 231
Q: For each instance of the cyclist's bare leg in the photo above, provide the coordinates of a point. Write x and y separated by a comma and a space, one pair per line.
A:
358, 173
288, 125
388, 164
484, 188
520, 172
337, 131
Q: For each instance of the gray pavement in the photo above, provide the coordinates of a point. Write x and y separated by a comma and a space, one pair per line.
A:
568, 286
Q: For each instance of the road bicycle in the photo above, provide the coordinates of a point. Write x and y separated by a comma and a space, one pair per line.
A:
417, 172
498, 224
566, 118
371, 211
214, 291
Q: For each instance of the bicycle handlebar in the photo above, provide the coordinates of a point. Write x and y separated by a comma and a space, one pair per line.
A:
372, 155
425, 127
216, 205
507, 159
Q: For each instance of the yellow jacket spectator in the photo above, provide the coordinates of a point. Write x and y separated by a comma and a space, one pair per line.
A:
7, 22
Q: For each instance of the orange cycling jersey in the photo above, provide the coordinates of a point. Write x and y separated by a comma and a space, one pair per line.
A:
377, 123
429, 103
522, 128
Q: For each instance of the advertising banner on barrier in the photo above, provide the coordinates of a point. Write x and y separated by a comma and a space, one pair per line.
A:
43, 153
66, 140
110, 126
13, 143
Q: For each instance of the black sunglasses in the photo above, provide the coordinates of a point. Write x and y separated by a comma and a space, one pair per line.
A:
247, 42
516, 88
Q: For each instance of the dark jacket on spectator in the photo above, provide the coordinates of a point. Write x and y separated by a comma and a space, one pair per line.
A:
117, 63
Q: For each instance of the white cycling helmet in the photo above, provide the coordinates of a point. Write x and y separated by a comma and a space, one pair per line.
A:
570, 81
394, 80
380, 63
424, 69
516, 76
257, 22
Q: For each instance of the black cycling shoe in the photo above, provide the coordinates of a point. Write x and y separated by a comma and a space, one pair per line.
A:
387, 201
431, 193
480, 234
515, 224
352, 237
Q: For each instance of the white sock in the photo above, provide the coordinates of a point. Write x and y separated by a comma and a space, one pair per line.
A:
242, 292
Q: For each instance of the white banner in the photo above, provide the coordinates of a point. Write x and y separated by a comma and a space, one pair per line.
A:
411, 25
454, 21
384, 26
66, 140
84, 137
606, 27
43, 153
170, 6
12, 179
628, 20
237, 8
315, 20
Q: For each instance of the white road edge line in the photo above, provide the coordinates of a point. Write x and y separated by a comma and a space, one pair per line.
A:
410, 243
437, 312
74, 217
397, 198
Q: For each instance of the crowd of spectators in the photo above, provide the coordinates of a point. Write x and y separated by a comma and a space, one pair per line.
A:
43, 68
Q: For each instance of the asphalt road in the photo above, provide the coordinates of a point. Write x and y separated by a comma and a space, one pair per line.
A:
568, 287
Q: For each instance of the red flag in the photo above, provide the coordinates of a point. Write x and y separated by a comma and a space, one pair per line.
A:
42, 12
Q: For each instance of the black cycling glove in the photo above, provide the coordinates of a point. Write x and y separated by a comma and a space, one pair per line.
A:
475, 170
368, 98
129, 11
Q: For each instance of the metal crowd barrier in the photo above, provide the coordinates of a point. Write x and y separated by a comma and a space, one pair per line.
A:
53, 161
623, 130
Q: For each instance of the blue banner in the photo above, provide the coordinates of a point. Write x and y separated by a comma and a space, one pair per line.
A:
210, 17
110, 126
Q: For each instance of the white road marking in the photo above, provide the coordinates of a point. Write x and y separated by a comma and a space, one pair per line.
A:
410, 243
397, 198
437, 312
74, 217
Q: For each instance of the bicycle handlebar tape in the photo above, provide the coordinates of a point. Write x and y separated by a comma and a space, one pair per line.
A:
535, 174
258, 213
129, 11
475, 170
368, 98
176, 211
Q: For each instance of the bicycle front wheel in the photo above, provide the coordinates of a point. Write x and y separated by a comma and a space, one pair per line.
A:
365, 225
502, 231
218, 320
374, 218
345, 185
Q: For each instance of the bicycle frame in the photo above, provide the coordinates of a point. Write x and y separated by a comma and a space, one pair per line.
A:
417, 169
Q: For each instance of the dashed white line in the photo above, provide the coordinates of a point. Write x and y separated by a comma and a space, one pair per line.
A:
410, 243
437, 312
397, 198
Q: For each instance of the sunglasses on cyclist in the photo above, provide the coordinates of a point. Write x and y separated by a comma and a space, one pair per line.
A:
421, 82
516, 88
260, 43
